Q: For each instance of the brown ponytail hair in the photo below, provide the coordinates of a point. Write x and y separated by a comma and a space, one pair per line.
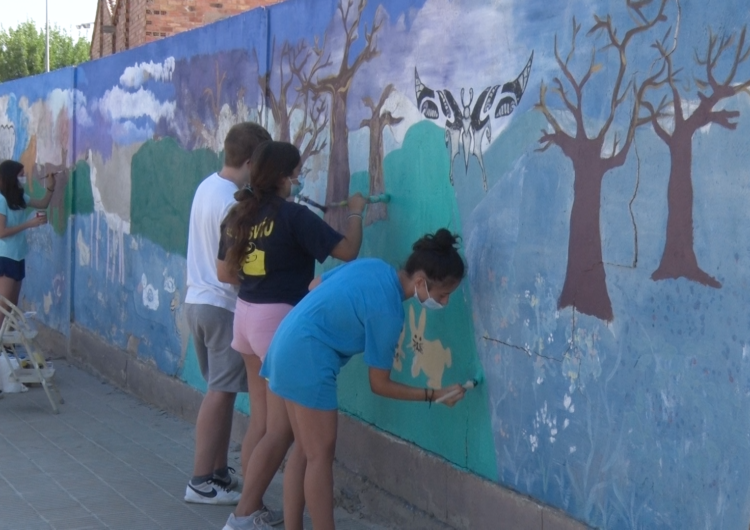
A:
270, 164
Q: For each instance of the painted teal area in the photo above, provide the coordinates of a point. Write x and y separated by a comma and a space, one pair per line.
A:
83, 198
164, 179
422, 201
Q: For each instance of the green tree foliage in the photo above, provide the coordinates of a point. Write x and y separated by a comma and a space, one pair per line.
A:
22, 50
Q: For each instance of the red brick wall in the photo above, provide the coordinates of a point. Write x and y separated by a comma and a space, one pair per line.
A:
168, 17
101, 43
140, 21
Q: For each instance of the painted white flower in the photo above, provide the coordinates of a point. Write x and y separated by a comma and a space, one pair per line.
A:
151, 297
169, 285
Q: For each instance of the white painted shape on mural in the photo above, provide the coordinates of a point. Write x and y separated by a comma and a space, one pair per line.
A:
7, 131
135, 76
83, 250
42, 124
71, 100
169, 285
572, 449
566, 423
144, 280
117, 197
47, 302
118, 104
151, 297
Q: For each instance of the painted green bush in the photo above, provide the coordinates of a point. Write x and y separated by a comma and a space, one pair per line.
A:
164, 178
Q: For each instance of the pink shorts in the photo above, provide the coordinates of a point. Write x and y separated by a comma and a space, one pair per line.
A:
254, 326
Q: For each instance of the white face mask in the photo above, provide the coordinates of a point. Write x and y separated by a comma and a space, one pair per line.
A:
22, 180
430, 303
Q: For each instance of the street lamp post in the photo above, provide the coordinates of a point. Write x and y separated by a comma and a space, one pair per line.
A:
46, 47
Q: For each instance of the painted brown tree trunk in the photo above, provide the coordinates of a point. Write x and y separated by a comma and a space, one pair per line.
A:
585, 286
338, 164
377, 211
283, 133
678, 259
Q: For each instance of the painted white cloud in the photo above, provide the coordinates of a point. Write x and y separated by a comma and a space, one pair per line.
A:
117, 104
135, 76
73, 101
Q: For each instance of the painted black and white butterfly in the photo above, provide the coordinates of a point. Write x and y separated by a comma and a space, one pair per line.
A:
467, 125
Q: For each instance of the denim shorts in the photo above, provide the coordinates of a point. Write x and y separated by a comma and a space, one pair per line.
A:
13, 269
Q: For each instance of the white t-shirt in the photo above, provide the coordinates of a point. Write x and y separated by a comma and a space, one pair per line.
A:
211, 203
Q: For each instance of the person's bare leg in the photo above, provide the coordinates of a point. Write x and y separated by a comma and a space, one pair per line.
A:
212, 431
316, 432
9, 289
256, 386
266, 458
294, 481
16, 293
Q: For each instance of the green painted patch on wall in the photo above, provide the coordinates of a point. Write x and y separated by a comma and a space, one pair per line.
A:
83, 198
422, 200
164, 178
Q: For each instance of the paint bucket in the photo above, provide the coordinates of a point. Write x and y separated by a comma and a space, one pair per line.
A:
7, 382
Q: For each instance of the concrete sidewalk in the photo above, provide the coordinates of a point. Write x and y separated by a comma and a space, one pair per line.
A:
107, 461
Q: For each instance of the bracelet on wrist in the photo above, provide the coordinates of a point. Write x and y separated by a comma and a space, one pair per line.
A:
354, 215
49, 189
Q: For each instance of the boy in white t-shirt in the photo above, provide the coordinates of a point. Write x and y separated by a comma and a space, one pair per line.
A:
209, 307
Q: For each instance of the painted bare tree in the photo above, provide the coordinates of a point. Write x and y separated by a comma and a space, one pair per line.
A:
678, 259
336, 86
377, 122
283, 101
585, 286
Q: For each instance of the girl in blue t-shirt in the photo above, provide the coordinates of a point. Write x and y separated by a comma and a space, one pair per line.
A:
14, 219
357, 307
268, 247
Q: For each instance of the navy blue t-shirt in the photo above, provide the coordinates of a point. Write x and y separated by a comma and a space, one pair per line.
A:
281, 253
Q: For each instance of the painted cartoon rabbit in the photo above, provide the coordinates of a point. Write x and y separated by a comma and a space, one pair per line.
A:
430, 356
400, 355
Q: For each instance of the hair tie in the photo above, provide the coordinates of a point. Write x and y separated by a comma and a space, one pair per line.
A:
249, 188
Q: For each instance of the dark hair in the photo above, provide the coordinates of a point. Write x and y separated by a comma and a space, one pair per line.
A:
270, 164
241, 141
9, 186
437, 256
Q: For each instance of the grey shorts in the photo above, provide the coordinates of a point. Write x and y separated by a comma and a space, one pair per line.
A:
222, 367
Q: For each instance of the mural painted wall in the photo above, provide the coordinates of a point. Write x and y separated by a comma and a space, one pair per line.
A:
592, 157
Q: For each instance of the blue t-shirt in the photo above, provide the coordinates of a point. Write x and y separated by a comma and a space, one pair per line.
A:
357, 308
13, 247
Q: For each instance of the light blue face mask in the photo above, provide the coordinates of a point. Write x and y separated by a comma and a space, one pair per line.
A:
22, 180
430, 303
296, 188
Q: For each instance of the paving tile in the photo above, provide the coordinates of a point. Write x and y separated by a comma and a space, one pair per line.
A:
81, 523
107, 461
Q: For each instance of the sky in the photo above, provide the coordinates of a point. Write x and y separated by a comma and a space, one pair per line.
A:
65, 13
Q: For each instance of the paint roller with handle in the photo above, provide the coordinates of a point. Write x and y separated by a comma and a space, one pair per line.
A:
383, 197
468, 385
